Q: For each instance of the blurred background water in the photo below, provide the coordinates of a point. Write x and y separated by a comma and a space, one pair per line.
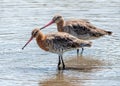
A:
99, 65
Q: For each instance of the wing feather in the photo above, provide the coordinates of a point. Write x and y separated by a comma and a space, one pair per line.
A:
63, 41
82, 27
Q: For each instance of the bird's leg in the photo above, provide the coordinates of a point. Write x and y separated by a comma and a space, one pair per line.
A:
62, 62
82, 51
59, 62
77, 52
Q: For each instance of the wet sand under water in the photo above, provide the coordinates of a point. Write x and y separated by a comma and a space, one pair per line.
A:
77, 64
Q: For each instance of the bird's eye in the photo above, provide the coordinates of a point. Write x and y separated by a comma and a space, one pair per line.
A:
36, 33
58, 17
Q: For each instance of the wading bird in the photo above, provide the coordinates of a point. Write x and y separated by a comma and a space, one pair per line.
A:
58, 43
79, 28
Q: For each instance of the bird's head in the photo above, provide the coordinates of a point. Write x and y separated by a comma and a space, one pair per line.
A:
34, 34
55, 19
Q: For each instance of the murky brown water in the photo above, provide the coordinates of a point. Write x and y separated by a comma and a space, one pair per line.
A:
99, 65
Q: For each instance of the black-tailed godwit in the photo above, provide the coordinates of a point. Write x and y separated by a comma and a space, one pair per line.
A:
58, 43
79, 28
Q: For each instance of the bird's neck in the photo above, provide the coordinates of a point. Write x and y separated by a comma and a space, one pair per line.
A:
41, 41
60, 26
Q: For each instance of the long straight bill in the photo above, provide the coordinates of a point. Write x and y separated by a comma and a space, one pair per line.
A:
51, 22
27, 42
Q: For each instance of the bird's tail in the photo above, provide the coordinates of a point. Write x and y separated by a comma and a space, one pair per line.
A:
109, 32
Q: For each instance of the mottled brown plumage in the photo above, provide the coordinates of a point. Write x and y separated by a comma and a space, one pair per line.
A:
58, 42
79, 28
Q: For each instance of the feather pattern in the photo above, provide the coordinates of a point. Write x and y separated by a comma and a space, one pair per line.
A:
60, 42
82, 29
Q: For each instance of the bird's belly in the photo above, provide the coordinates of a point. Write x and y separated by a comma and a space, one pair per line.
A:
80, 36
86, 37
60, 50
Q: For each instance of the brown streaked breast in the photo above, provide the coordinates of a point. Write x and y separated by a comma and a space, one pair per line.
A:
41, 43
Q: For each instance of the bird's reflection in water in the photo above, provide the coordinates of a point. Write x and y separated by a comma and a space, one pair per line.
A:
80, 64
59, 80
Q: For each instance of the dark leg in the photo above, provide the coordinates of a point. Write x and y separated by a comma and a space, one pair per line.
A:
59, 62
77, 52
82, 51
63, 62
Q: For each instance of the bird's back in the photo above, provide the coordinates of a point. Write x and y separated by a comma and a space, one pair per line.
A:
61, 42
83, 29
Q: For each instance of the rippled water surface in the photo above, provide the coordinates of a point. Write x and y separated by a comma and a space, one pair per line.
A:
99, 65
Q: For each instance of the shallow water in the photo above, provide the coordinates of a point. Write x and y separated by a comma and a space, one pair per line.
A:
99, 65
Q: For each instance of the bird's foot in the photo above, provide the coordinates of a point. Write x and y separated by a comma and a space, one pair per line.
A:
82, 51
59, 68
63, 67
77, 52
